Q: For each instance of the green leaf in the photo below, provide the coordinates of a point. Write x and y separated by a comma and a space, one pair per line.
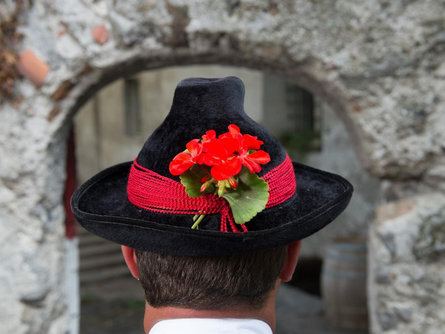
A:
249, 198
191, 180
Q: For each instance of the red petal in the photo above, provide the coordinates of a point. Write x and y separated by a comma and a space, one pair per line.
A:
251, 142
194, 147
219, 173
231, 145
233, 165
210, 135
260, 157
233, 133
233, 129
217, 149
252, 165
208, 160
226, 169
180, 163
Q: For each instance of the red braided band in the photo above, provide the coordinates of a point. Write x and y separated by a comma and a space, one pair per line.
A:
151, 191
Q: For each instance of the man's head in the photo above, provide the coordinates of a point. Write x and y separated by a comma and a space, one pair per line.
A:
212, 282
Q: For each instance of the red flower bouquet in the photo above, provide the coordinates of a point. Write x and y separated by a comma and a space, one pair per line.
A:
225, 166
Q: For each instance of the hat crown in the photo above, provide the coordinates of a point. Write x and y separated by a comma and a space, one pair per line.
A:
205, 96
199, 105
230, 83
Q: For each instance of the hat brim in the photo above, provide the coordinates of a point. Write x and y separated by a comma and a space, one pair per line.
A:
101, 206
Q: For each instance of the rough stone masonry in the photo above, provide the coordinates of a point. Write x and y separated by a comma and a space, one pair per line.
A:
378, 64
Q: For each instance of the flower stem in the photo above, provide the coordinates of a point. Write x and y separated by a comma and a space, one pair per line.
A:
195, 225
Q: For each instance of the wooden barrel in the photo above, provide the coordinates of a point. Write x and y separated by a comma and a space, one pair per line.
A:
344, 284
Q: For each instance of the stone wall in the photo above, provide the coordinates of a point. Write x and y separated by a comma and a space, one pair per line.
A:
379, 64
407, 266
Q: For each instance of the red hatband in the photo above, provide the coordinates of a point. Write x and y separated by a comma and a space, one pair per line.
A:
151, 191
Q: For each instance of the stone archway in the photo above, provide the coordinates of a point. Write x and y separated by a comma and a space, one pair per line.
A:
387, 90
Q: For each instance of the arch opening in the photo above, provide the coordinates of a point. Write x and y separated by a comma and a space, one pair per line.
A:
330, 148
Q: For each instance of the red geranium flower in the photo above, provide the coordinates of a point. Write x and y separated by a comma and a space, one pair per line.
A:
219, 161
246, 143
184, 160
225, 154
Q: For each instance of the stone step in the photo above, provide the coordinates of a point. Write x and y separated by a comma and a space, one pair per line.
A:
103, 274
100, 259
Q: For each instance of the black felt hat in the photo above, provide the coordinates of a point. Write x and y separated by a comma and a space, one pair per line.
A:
101, 204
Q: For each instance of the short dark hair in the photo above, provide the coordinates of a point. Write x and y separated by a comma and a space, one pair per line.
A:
210, 282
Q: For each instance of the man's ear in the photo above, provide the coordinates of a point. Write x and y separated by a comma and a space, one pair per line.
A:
293, 251
131, 260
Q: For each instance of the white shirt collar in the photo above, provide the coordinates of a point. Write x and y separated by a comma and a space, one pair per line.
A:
211, 326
